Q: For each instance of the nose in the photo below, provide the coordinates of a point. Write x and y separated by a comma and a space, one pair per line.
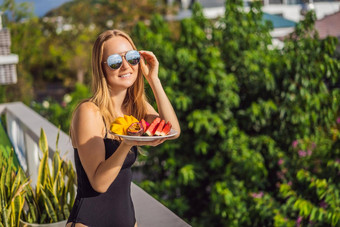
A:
125, 64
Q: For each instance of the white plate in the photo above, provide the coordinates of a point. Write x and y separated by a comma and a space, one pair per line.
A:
147, 138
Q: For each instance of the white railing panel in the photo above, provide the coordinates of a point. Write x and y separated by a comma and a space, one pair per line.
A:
32, 159
16, 135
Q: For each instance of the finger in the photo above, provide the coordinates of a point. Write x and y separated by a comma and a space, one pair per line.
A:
147, 143
144, 67
164, 139
154, 142
143, 60
161, 141
148, 55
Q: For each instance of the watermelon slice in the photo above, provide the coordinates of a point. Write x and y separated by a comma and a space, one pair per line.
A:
159, 128
166, 129
145, 124
153, 127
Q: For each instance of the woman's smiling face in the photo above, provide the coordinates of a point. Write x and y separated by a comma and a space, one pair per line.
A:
123, 77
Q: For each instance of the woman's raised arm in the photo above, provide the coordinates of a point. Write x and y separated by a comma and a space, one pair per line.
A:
165, 109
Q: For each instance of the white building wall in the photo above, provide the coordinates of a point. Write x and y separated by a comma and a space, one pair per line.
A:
292, 12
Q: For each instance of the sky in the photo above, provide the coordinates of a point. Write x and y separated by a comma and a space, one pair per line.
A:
41, 7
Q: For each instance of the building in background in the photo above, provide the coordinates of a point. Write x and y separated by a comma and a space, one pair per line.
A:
329, 26
284, 14
290, 9
8, 61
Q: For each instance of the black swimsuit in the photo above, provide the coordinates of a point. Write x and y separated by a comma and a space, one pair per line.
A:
112, 208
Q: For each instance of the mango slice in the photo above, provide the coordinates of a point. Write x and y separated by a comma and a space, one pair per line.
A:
121, 124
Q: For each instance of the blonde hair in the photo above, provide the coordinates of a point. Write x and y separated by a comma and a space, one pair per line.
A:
135, 100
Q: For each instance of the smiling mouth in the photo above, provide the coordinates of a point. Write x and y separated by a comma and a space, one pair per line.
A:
125, 75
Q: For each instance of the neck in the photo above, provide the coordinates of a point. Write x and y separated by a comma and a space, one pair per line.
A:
117, 97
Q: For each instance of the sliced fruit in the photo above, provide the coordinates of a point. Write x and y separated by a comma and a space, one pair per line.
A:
145, 124
121, 121
166, 129
135, 129
130, 119
121, 124
159, 128
114, 127
152, 128
117, 128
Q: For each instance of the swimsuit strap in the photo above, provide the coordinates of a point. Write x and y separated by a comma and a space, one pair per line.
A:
105, 129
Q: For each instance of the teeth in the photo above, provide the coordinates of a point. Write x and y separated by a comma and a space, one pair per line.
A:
126, 75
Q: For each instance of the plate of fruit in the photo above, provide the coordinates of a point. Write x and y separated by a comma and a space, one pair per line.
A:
128, 127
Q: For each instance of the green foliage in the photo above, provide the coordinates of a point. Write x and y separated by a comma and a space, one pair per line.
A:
21, 39
100, 13
242, 104
16, 11
61, 113
54, 195
308, 189
12, 189
55, 49
48, 53
5, 143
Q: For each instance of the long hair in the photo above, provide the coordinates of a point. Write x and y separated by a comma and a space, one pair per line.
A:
135, 99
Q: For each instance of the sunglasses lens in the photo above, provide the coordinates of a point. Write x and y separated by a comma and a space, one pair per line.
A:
114, 61
133, 57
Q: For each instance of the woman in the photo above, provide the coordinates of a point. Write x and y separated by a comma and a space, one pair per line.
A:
102, 161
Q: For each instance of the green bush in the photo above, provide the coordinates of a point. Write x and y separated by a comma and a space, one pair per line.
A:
13, 182
260, 126
53, 197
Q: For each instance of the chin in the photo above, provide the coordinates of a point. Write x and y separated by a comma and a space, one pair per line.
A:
123, 84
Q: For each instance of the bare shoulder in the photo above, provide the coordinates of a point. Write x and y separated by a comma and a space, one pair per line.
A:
88, 107
87, 121
86, 111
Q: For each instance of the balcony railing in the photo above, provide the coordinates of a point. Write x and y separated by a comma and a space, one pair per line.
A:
23, 128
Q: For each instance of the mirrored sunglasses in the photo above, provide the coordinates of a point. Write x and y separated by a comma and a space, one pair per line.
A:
115, 61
